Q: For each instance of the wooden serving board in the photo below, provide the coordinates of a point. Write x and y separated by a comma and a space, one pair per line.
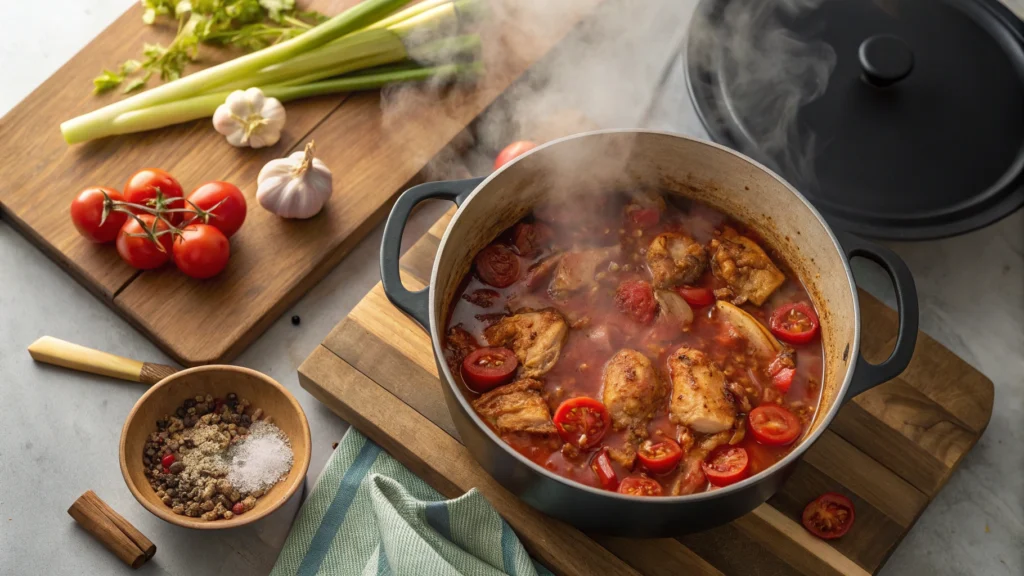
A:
373, 156
890, 450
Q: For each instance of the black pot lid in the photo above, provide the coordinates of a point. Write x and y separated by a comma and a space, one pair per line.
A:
899, 119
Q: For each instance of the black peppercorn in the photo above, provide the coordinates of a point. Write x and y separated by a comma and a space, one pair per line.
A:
161, 424
296, 320
180, 412
232, 396
190, 403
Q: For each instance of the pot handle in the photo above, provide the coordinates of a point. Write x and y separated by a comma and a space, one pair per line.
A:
413, 303
867, 375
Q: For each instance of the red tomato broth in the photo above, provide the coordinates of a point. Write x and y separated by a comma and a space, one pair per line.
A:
578, 371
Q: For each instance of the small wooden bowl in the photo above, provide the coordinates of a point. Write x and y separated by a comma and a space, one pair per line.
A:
168, 394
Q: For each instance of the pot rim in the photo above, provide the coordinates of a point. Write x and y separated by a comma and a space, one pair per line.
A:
790, 458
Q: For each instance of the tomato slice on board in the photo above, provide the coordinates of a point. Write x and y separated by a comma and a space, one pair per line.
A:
487, 368
660, 457
783, 379
582, 421
773, 425
726, 465
696, 296
794, 323
602, 466
497, 265
829, 516
640, 486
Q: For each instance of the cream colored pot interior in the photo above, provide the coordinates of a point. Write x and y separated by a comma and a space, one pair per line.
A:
602, 162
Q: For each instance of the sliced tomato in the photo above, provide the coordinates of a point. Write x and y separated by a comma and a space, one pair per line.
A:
582, 421
783, 379
497, 265
602, 466
635, 298
829, 516
773, 425
660, 457
645, 217
640, 486
794, 323
696, 296
487, 368
726, 465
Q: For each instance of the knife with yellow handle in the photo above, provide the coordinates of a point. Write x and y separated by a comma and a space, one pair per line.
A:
58, 352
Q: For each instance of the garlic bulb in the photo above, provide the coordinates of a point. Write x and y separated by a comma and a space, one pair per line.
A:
248, 118
294, 187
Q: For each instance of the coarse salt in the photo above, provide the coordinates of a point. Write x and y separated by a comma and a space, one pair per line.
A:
260, 460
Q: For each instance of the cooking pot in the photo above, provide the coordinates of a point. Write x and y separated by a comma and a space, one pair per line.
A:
600, 163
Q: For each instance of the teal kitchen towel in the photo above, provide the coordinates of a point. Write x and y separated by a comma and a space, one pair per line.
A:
369, 515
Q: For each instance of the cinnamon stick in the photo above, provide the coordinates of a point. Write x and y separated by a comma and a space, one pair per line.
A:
144, 544
90, 515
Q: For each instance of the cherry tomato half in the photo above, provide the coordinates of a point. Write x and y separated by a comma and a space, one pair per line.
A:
487, 368
794, 323
582, 421
153, 186
226, 202
139, 251
829, 516
201, 251
635, 298
773, 425
602, 466
87, 212
696, 297
660, 457
726, 465
511, 151
783, 379
640, 486
497, 265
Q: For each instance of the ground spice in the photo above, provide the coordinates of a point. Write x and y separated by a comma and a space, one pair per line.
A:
261, 459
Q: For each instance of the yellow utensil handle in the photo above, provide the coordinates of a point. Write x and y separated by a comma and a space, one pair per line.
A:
60, 353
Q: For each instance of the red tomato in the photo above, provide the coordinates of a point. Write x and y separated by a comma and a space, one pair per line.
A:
87, 213
696, 297
773, 425
726, 465
602, 466
640, 486
225, 203
140, 251
635, 298
201, 251
530, 238
152, 187
794, 323
582, 421
661, 457
783, 379
829, 516
645, 217
511, 151
487, 368
497, 265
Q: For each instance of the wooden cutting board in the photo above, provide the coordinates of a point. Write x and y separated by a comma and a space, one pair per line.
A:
890, 450
373, 156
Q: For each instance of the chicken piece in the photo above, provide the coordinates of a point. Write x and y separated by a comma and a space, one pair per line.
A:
516, 407
460, 342
646, 198
699, 398
675, 259
577, 269
625, 455
744, 266
541, 271
535, 337
631, 392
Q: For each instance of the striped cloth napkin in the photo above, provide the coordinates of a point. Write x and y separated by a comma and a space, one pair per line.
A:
369, 515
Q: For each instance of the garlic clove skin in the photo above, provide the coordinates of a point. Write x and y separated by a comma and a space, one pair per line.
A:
249, 118
290, 190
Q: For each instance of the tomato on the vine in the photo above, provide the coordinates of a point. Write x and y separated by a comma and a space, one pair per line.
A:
87, 214
201, 251
155, 188
136, 246
224, 202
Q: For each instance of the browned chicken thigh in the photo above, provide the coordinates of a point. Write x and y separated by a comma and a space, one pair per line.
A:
631, 391
675, 259
577, 269
699, 397
744, 266
516, 407
535, 337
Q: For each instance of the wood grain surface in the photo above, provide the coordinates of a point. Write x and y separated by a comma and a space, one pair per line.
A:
890, 450
374, 154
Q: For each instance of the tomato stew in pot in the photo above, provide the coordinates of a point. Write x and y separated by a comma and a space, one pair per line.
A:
638, 345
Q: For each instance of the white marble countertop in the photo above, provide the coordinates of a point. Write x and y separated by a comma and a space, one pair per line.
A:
59, 430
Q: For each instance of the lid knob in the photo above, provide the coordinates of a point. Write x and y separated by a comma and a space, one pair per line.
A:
885, 60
